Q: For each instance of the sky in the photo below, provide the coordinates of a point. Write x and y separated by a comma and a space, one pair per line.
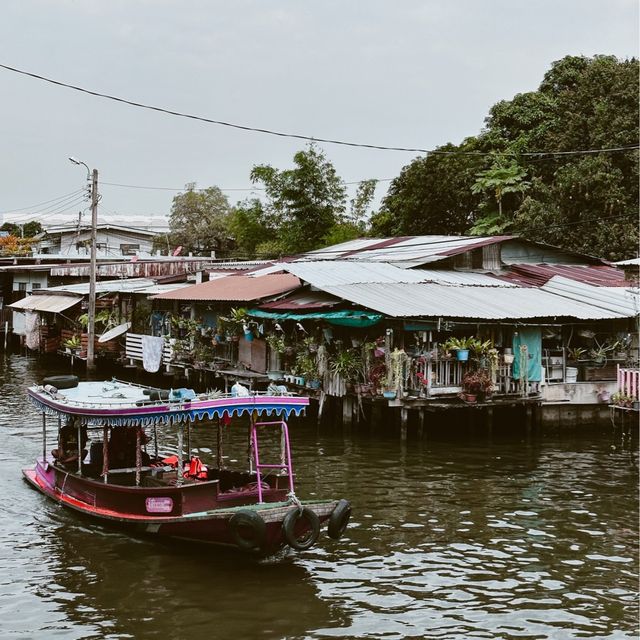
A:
410, 73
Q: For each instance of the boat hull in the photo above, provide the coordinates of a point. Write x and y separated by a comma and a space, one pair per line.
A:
210, 526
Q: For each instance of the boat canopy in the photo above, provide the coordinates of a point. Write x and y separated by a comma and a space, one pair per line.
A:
118, 403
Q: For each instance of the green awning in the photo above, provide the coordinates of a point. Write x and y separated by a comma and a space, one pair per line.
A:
343, 318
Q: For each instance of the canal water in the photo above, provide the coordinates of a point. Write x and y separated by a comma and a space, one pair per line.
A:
454, 536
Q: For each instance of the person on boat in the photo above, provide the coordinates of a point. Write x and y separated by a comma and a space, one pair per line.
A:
122, 447
67, 451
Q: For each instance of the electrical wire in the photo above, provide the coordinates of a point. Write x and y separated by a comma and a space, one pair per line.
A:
138, 186
282, 134
66, 195
40, 215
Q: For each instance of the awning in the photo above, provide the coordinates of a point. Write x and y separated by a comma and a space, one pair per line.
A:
52, 304
343, 318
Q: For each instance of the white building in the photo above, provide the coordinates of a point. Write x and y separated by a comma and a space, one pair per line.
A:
112, 241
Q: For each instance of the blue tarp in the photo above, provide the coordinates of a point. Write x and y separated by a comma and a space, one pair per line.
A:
532, 339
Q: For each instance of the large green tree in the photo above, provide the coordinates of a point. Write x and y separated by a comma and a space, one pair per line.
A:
198, 221
303, 203
432, 194
580, 201
248, 226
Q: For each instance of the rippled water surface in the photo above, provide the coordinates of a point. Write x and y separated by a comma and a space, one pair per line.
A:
457, 537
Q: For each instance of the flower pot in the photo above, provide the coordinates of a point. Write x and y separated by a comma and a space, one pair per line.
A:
508, 358
248, 336
389, 395
275, 374
313, 384
604, 396
462, 355
471, 398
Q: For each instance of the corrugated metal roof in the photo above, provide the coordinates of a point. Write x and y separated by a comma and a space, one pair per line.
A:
239, 288
405, 251
302, 300
336, 272
535, 275
107, 286
345, 272
437, 300
623, 300
50, 303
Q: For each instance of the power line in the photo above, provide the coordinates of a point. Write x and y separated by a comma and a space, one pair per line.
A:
59, 208
66, 195
138, 186
282, 134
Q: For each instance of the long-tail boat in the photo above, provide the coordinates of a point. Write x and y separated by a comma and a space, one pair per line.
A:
106, 465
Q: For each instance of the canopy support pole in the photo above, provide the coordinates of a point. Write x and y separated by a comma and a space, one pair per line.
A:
180, 454
79, 447
219, 444
44, 437
105, 453
155, 439
138, 455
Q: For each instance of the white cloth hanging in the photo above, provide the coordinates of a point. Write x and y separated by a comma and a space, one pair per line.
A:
152, 347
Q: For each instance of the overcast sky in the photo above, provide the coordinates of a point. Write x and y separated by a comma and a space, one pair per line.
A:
415, 73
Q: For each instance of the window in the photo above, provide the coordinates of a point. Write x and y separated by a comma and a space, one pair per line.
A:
22, 286
35, 285
129, 249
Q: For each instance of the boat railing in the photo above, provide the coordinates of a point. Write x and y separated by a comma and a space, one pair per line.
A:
177, 401
285, 454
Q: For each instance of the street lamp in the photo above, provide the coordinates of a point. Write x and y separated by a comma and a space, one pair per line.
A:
91, 325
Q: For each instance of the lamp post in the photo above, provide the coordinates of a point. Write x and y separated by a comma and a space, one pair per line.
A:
91, 325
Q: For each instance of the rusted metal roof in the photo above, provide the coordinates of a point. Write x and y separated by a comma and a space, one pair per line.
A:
536, 275
302, 300
238, 288
403, 251
139, 269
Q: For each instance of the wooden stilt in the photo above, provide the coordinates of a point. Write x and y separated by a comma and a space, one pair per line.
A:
421, 421
488, 420
404, 422
347, 411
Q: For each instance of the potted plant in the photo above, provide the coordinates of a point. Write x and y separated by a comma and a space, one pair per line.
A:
476, 383
72, 344
346, 364
394, 383
461, 346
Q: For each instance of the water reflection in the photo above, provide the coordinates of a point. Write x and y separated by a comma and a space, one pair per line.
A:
465, 537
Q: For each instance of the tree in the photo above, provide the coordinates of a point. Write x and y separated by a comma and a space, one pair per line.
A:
198, 221
354, 224
578, 201
26, 230
503, 177
432, 195
247, 225
303, 203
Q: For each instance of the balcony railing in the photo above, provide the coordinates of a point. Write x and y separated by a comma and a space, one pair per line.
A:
629, 382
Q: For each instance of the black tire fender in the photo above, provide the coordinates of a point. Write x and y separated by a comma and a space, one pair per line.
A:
61, 382
248, 530
290, 523
339, 519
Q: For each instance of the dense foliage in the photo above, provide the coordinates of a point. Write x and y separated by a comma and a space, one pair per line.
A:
198, 222
584, 202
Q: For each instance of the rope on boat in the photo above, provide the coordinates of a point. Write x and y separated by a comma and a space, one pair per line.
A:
293, 498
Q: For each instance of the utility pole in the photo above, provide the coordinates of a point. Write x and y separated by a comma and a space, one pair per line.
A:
91, 326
